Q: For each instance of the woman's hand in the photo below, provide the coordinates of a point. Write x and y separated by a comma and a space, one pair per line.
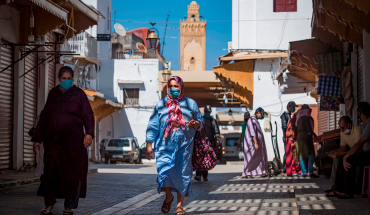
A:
36, 147
256, 146
87, 140
193, 124
149, 151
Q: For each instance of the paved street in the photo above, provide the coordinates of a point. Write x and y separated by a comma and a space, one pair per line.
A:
131, 189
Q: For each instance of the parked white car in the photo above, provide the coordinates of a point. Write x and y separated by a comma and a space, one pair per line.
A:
123, 149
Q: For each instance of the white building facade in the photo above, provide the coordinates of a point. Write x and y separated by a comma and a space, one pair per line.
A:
257, 27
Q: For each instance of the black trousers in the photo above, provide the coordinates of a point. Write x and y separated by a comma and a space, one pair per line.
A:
202, 173
345, 181
284, 158
72, 203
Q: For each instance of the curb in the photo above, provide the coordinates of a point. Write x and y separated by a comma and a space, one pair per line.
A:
27, 181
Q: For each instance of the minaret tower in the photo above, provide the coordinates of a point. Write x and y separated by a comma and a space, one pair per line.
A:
193, 41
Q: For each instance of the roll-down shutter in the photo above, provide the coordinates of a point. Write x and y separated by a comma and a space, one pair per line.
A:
322, 121
6, 106
360, 75
51, 38
30, 107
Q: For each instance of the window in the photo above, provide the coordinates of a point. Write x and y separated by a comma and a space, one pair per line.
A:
232, 141
193, 16
119, 142
192, 60
131, 96
285, 5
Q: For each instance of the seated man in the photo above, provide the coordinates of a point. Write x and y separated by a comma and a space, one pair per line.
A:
349, 135
358, 155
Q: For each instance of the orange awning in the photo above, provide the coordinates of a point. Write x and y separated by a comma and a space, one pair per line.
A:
252, 56
238, 76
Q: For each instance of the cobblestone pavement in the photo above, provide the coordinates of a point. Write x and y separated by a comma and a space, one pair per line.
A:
131, 189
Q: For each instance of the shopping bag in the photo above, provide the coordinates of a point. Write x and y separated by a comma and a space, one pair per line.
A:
204, 157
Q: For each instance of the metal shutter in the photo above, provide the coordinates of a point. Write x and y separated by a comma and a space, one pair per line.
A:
279, 5
360, 75
291, 5
30, 107
51, 37
322, 120
6, 106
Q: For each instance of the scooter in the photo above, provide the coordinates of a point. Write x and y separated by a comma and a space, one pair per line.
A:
275, 166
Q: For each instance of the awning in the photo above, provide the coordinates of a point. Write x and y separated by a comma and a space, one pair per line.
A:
83, 16
100, 106
47, 17
235, 120
343, 18
238, 76
251, 56
83, 59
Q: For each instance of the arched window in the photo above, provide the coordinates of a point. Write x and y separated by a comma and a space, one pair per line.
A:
192, 60
193, 16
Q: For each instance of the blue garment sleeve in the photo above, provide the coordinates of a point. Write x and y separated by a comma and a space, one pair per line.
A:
153, 128
197, 115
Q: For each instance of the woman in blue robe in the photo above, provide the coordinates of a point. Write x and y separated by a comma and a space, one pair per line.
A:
171, 128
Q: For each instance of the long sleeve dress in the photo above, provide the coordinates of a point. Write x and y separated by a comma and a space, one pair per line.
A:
64, 122
255, 161
173, 154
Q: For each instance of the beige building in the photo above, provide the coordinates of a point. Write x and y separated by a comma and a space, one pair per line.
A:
193, 41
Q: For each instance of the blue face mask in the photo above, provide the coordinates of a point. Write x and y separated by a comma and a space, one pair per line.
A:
66, 84
292, 110
207, 115
174, 92
262, 117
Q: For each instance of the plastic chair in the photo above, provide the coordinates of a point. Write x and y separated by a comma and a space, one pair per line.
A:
366, 182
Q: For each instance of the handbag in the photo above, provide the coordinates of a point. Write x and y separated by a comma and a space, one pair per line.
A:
204, 157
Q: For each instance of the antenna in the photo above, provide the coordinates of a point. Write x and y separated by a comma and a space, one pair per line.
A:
114, 22
165, 29
120, 29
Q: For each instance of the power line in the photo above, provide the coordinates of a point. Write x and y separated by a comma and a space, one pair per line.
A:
246, 20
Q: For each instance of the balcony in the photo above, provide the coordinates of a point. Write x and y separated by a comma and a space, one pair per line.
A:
83, 44
150, 54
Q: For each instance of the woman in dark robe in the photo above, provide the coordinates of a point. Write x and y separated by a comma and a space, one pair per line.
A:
306, 150
66, 128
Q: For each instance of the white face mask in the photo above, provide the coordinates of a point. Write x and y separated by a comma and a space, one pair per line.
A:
347, 131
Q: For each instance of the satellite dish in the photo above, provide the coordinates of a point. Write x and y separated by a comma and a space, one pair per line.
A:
141, 47
120, 29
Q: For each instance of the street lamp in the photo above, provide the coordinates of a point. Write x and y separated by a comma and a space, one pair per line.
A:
166, 74
152, 39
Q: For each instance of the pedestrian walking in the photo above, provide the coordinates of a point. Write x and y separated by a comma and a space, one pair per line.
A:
306, 150
285, 117
255, 154
102, 149
66, 128
292, 160
213, 134
247, 115
172, 128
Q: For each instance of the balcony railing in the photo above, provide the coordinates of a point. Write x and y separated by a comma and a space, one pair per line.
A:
84, 44
154, 54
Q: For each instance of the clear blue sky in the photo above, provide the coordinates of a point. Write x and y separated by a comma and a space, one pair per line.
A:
218, 33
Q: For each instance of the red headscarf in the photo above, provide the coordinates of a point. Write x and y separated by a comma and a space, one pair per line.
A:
175, 118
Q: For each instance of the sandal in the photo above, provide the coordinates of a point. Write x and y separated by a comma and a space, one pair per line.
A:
329, 190
46, 211
331, 194
244, 176
197, 178
67, 212
180, 211
166, 207
343, 196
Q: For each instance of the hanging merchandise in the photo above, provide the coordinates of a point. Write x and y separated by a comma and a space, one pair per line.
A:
347, 88
329, 103
329, 86
330, 62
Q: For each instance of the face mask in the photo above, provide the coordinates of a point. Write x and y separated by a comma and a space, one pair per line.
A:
66, 84
207, 115
174, 92
292, 110
359, 118
262, 117
347, 131
246, 119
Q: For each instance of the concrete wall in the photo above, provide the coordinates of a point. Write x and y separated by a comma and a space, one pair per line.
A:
266, 95
256, 26
105, 27
130, 121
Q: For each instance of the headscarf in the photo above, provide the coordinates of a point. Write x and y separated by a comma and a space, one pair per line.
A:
175, 120
304, 112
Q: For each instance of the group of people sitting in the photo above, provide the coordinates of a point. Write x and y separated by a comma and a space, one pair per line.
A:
352, 156
348, 161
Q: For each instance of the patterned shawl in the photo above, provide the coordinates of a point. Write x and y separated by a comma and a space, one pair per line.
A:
175, 118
